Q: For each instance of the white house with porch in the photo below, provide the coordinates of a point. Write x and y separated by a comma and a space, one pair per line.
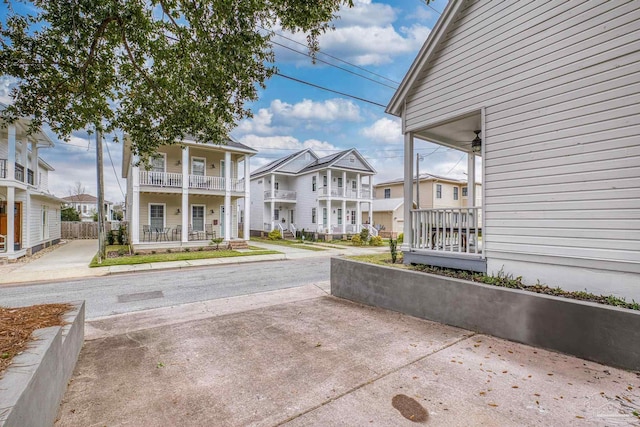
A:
546, 93
324, 195
29, 214
188, 194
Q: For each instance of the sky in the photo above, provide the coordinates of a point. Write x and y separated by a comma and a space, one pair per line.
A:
375, 41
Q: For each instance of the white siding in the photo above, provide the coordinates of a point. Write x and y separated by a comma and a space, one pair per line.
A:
351, 162
560, 84
257, 203
298, 163
306, 200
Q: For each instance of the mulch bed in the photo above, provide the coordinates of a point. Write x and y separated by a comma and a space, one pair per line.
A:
17, 325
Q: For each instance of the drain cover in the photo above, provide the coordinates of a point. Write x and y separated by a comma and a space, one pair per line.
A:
410, 408
140, 296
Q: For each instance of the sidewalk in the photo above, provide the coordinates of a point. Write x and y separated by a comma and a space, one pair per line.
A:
298, 357
71, 261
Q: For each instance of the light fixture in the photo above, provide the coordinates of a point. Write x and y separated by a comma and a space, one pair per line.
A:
178, 211
178, 163
476, 144
213, 165
211, 211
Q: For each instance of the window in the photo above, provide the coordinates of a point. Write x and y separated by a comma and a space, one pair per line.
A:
352, 159
198, 166
313, 183
438, 191
156, 216
324, 181
387, 193
197, 217
339, 216
276, 214
455, 193
339, 182
465, 191
276, 185
324, 217
353, 217
157, 163
84, 208
313, 215
354, 185
45, 223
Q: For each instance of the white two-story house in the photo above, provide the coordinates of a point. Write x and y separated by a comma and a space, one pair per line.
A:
189, 192
29, 214
324, 195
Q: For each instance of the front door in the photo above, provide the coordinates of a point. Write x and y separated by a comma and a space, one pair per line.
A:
17, 222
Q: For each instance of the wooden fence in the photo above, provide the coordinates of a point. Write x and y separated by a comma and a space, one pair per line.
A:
71, 230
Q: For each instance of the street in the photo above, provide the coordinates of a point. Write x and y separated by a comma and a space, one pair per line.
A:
130, 292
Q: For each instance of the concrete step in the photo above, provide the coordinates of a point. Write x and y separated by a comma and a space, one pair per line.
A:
238, 244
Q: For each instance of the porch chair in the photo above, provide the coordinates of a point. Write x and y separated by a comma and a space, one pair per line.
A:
177, 233
146, 231
193, 233
208, 231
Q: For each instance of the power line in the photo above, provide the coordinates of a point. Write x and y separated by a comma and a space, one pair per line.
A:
454, 166
277, 73
426, 3
336, 66
334, 57
114, 170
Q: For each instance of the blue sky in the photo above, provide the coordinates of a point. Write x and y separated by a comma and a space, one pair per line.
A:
381, 37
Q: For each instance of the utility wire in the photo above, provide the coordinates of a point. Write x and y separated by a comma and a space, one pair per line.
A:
277, 73
426, 3
336, 66
114, 169
454, 166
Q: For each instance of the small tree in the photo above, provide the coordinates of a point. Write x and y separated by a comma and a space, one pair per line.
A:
393, 247
69, 214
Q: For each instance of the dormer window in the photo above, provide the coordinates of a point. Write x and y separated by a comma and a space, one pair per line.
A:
352, 159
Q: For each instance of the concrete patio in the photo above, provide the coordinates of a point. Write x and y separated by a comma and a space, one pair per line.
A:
300, 357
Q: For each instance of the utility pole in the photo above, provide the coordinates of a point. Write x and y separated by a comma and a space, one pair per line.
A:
101, 236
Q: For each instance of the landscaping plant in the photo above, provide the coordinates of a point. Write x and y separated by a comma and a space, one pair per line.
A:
393, 247
375, 241
274, 235
356, 240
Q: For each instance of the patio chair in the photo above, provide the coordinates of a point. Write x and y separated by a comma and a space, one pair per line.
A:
176, 234
193, 234
146, 231
208, 232
163, 234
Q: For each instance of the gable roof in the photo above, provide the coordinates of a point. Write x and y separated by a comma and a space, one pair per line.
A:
424, 177
83, 198
428, 49
272, 166
330, 160
387, 205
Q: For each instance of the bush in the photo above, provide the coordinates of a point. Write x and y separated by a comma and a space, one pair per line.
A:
274, 235
122, 252
393, 247
400, 239
122, 233
364, 235
110, 239
356, 240
375, 241
216, 241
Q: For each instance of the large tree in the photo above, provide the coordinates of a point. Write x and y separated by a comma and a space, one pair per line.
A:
156, 69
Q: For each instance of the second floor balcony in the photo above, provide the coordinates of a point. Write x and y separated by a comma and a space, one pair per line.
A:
342, 192
280, 195
19, 172
171, 180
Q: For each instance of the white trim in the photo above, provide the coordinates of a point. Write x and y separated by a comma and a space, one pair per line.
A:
204, 159
204, 215
164, 213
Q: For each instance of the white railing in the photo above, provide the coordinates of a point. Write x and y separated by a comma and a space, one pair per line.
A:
292, 228
237, 185
280, 194
281, 228
206, 182
266, 226
372, 230
3, 243
343, 192
160, 179
365, 194
447, 230
352, 228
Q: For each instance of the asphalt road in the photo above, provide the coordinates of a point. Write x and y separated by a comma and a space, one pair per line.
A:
124, 293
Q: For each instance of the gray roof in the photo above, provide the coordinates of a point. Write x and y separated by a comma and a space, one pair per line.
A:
425, 177
386, 205
324, 161
275, 164
229, 142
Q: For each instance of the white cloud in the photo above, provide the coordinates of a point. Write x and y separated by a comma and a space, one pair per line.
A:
327, 111
6, 84
384, 130
365, 13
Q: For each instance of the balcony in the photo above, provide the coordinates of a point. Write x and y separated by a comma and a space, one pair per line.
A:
280, 195
161, 179
211, 183
342, 192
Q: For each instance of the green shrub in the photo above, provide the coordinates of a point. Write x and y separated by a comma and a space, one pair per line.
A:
364, 235
122, 234
356, 240
216, 241
400, 238
375, 241
110, 239
122, 252
393, 247
274, 235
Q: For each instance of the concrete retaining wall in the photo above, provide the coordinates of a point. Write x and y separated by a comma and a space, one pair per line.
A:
592, 331
33, 386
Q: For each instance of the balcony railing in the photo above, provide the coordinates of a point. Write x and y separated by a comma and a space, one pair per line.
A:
280, 194
347, 193
237, 185
447, 230
365, 194
3, 168
206, 182
160, 179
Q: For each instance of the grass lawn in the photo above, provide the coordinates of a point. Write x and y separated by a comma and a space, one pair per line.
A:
176, 256
293, 244
380, 259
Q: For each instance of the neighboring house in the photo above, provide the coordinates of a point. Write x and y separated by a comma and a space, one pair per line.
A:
29, 214
551, 90
87, 206
186, 194
388, 217
318, 194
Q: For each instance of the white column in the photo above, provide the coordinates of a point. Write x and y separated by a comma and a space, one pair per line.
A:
408, 190
370, 199
247, 199
227, 196
358, 203
273, 196
184, 209
34, 163
10, 219
471, 179
26, 230
329, 200
11, 156
135, 205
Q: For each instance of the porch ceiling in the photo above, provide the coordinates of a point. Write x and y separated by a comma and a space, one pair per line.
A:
456, 133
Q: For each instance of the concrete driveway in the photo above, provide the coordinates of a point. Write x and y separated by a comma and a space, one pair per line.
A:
299, 357
69, 260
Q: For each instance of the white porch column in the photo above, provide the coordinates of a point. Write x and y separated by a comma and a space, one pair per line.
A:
344, 216
408, 190
228, 214
247, 196
34, 163
26, 230
471, 179
273, 203
329, 201
11, 155
358, 203
184, 209
135, 205
10, 219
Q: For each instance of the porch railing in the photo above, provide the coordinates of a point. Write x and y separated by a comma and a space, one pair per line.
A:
161, 179
266, 226
3, 168
372, 230
206, 182
237, 185
447, 230
280, 194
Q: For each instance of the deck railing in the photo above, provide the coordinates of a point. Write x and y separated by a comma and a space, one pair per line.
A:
161, 179
237, 185
280, 194
447, 230
206, 182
